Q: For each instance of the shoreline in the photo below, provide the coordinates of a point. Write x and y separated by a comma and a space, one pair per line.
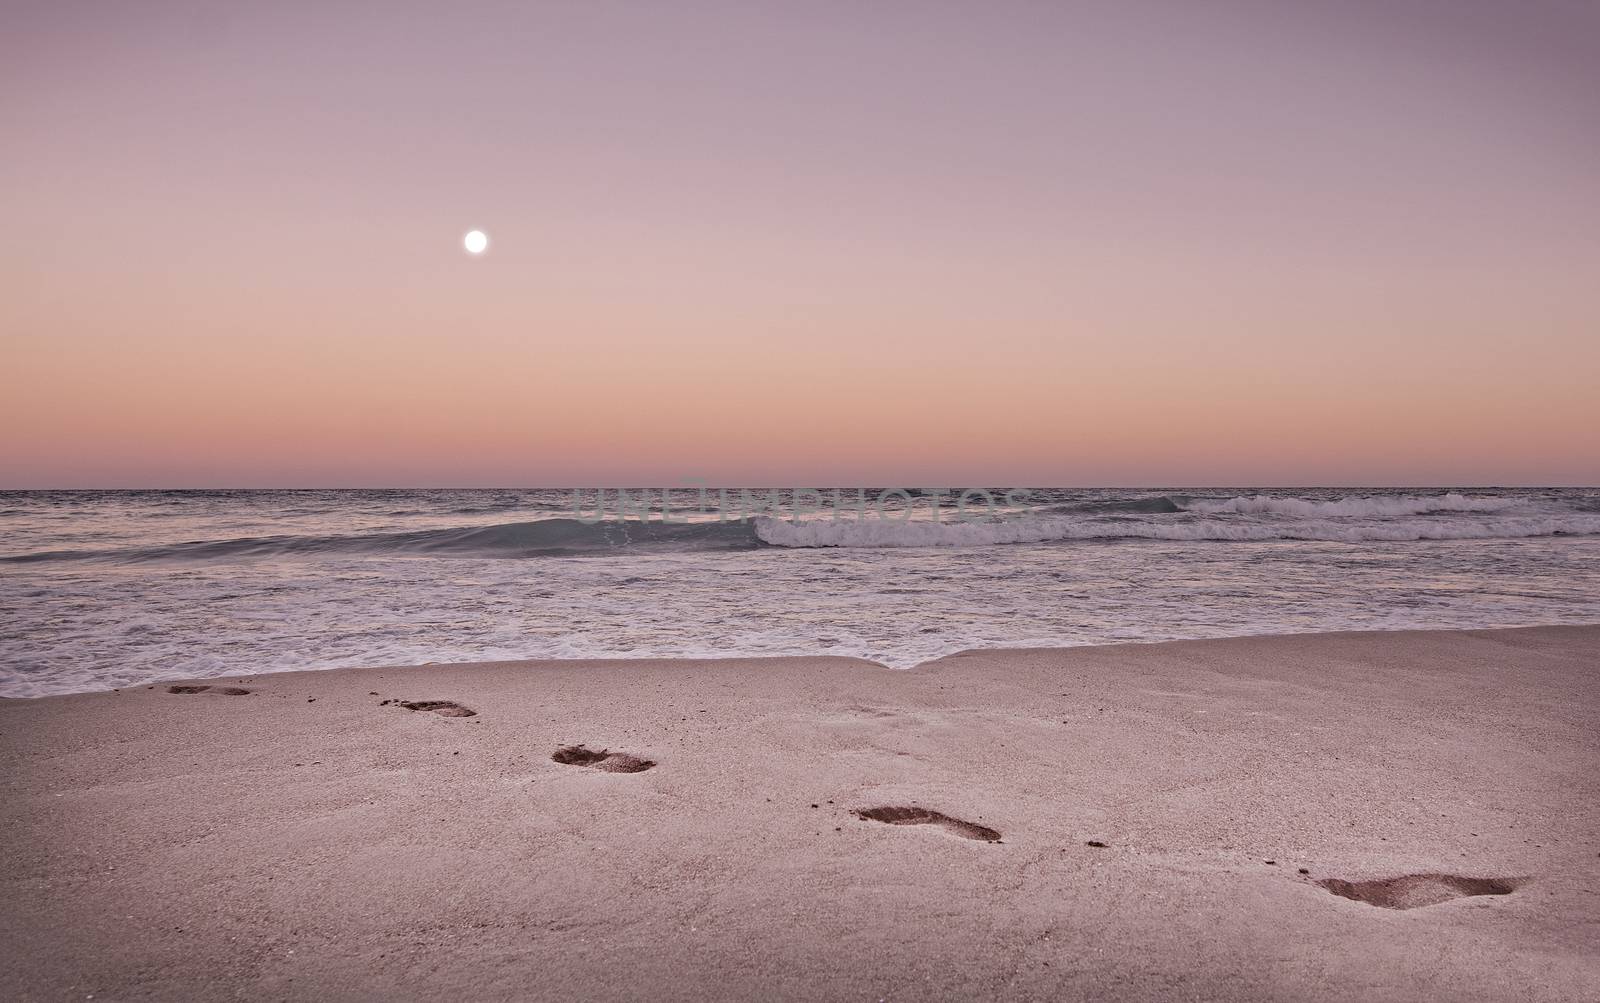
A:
656, 660
826, 831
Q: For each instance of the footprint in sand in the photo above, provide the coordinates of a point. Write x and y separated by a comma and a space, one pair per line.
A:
926, 816
443, 708
1412, 891
609, 762
227, 691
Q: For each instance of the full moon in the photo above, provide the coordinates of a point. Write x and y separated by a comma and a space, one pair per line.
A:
475, 242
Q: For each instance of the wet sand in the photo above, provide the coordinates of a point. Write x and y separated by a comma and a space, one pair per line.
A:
1371, 816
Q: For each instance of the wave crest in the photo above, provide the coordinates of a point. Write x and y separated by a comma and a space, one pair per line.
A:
539, 538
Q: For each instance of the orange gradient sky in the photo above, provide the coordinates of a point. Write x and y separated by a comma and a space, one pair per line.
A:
1060, 244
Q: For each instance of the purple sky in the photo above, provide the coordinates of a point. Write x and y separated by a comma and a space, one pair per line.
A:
1069, 243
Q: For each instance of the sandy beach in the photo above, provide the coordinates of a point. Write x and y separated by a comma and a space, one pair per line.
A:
1181, 820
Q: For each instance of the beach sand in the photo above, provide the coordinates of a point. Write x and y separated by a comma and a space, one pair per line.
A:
1166, 815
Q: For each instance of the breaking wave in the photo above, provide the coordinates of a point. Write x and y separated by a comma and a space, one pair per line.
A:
540, 538
869, 533
1381, 506
1387, 518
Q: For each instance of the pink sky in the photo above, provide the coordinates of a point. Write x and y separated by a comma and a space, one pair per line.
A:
934, 243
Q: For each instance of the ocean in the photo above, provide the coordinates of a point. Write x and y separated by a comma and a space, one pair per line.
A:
102, 589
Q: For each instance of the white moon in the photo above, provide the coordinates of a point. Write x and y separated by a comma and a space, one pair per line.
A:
475, 242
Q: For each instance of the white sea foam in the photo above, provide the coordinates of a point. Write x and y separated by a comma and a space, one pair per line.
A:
1379, 506
1043, 529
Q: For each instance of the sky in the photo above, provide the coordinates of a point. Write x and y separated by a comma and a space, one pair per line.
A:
1123, 243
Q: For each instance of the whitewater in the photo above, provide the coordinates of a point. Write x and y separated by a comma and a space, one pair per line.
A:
118, 588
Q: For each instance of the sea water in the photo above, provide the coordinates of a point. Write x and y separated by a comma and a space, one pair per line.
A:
103, 589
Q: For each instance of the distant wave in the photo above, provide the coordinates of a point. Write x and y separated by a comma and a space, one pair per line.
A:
540, 538
1035, 529
1156, 505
